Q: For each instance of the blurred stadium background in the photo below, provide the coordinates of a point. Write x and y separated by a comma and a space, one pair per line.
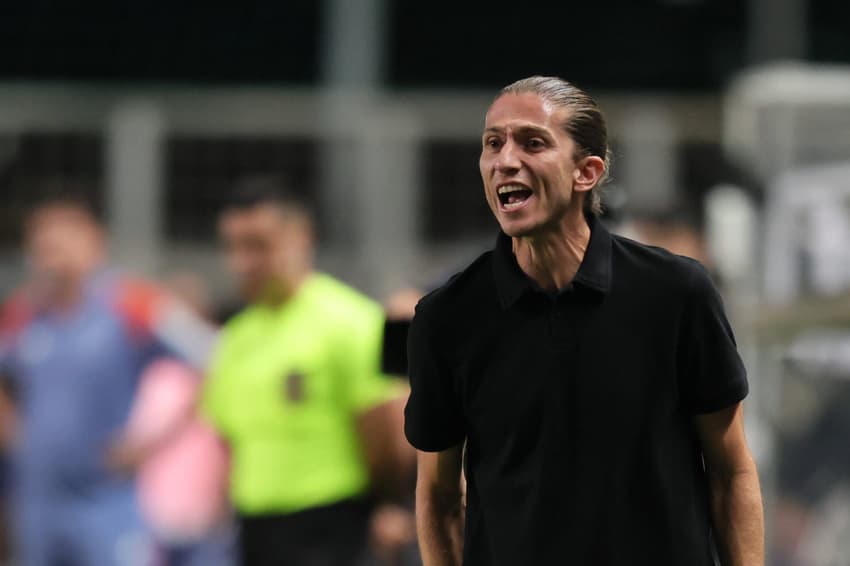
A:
731, 126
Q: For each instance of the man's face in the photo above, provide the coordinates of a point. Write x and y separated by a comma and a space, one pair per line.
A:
527, 164
263, 248
63, 245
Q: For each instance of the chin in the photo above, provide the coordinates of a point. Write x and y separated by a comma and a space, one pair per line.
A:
250, 293
519, 229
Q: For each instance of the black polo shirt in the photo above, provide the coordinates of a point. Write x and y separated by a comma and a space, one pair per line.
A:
577, 407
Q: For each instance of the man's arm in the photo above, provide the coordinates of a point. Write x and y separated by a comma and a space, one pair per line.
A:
8, 417
390, 459
736, 503
439, 509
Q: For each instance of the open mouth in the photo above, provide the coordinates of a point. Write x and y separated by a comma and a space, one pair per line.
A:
513, 196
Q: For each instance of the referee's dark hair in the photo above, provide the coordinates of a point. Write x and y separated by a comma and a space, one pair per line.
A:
267, 190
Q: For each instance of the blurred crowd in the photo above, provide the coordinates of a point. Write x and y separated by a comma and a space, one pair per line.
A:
147, 422
143, 424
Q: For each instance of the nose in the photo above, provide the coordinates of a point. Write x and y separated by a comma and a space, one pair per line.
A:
508, 159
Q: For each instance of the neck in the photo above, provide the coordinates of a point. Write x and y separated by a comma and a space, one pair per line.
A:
62, 291
552, 257
58, 296
284, 288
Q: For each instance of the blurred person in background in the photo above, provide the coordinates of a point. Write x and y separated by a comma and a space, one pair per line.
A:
73, 342
181, 462
393, 528
6, 430
297, 391
594, 381
672, 232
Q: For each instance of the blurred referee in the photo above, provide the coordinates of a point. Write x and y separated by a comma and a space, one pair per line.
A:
296, 390
595, 381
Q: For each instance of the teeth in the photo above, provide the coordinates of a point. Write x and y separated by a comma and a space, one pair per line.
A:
511, 189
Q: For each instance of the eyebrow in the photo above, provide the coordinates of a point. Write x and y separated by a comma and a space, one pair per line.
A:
525, 129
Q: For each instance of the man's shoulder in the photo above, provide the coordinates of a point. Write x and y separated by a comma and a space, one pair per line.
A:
135, 300
338, 301
16, 312
658, 266
248, 321
467, 289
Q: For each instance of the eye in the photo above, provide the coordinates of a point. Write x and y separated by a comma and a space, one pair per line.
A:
492, 143
535, 143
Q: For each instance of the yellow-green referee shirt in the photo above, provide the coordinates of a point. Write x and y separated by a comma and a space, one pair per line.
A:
284, 389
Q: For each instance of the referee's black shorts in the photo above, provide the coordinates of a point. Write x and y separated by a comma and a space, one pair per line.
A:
335, 535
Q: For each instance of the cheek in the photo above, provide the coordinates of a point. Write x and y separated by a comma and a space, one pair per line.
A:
484, 168
485, 165
55, 255
235, 260
242, 259
559, 181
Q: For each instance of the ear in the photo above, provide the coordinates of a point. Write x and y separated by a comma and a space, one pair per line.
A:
588, 172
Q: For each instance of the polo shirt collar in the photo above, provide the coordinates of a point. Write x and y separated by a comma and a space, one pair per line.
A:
594, 273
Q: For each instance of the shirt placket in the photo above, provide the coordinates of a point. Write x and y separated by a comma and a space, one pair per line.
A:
563, 322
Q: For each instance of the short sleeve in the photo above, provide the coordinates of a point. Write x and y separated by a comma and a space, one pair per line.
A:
359, 353
711, 373
136, 301
15, 314
433, 417
171, 326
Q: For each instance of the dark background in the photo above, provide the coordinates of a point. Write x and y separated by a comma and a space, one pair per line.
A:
636, 44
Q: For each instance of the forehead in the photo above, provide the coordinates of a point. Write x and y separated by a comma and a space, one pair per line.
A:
261, 217
59, 216
522, 110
